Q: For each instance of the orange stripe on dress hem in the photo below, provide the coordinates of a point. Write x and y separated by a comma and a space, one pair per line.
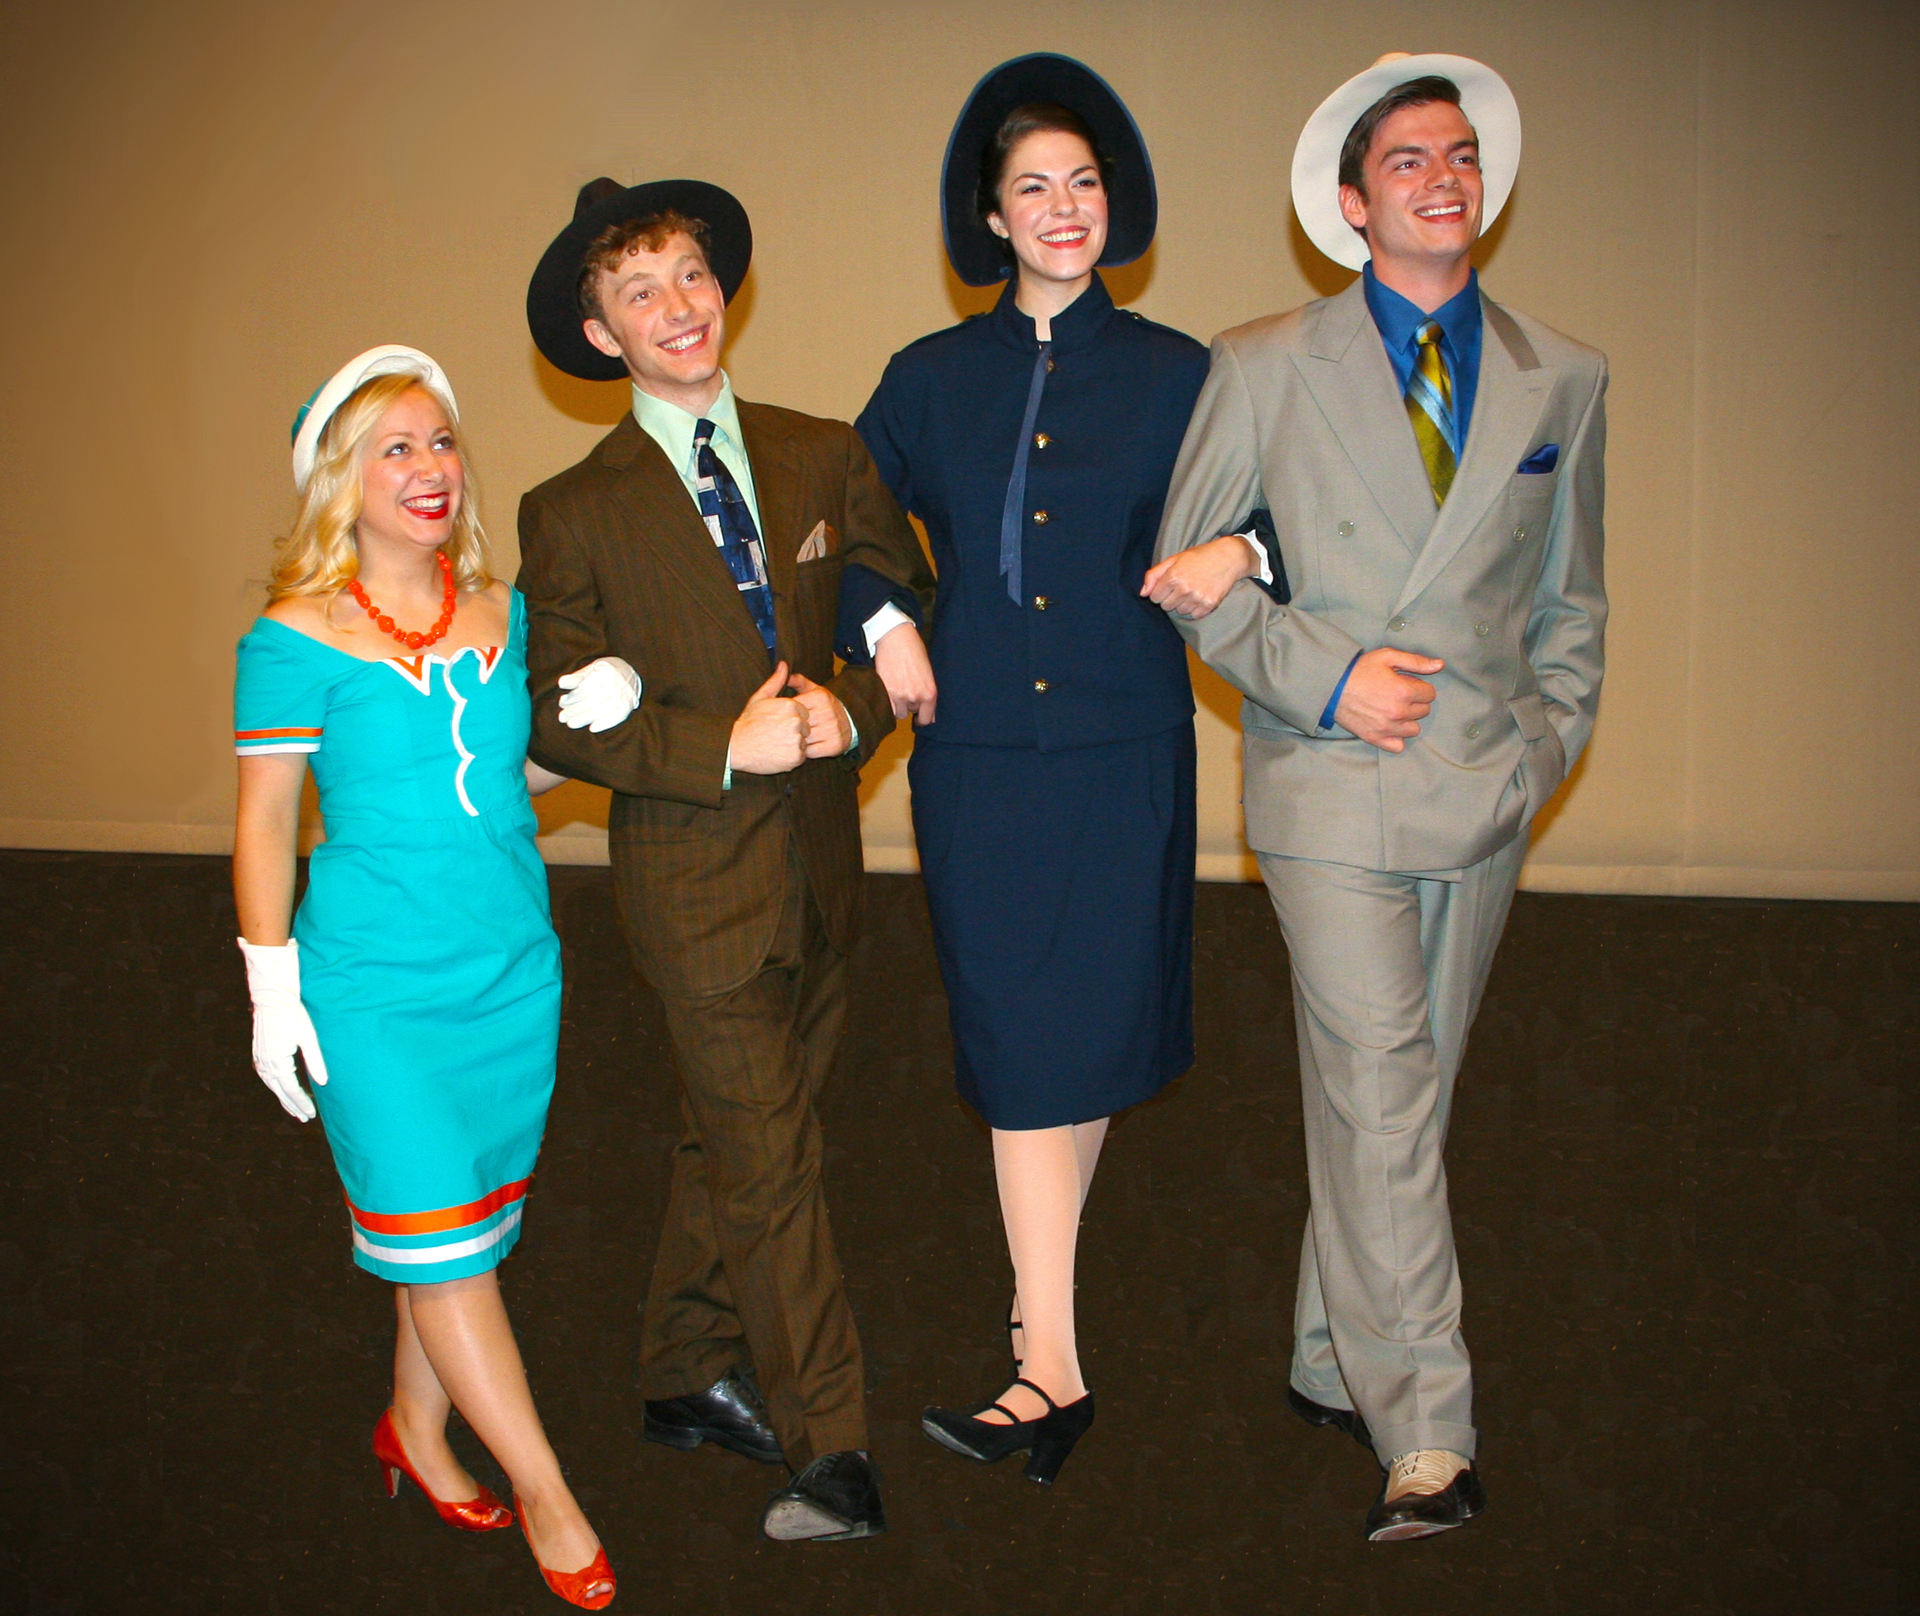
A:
448, 1217
269, 734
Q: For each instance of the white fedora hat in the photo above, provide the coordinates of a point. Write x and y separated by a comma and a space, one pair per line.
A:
391, 359
1484, 98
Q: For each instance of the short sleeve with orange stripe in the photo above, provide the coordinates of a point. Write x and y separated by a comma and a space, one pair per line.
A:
280, 695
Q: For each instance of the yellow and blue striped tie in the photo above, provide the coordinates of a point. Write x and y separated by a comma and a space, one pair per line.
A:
1430, 408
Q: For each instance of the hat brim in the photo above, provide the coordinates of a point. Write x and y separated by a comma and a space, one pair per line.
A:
1485, 100
391, 359
553, 307
978, 256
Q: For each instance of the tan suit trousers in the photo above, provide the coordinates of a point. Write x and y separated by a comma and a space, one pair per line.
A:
746, 1256
1387, 975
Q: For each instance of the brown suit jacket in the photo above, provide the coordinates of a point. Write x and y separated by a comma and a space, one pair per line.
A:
615, 561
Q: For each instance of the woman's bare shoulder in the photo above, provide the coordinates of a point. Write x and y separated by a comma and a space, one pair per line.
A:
308, 613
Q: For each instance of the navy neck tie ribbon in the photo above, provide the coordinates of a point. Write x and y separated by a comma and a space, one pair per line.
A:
725, 512
1012, 530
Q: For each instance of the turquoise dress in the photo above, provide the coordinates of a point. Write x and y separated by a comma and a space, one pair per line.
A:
427, 957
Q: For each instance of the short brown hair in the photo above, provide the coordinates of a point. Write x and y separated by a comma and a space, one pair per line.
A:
648, 233
1036, 117
1421, 92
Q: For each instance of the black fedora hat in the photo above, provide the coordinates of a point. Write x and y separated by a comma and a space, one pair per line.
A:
978, 256
553, 306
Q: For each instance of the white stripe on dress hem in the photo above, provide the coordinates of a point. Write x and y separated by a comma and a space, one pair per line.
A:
434, 1254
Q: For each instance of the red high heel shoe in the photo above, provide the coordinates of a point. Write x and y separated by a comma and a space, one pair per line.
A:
572, 1586
483, 1513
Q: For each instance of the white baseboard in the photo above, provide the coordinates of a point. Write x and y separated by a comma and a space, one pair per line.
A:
590, 847
1722, 881
889, 859
108, 836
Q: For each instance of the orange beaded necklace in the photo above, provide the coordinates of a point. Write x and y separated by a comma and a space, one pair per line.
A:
414, 640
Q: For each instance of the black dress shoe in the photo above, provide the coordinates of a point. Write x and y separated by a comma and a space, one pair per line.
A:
835, 1499
1417, 1515
728, 1412
1348, 1419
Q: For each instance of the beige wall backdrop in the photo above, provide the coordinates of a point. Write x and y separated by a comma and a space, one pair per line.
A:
210, 205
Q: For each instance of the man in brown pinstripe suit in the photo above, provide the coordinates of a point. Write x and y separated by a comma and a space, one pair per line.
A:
702, 543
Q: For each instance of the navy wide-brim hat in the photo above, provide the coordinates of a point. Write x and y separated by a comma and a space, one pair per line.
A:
978, 256
553, 304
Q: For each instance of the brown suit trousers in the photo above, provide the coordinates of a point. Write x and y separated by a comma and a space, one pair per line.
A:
740, 904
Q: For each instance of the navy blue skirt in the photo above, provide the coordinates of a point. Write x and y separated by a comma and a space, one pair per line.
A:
1061, 890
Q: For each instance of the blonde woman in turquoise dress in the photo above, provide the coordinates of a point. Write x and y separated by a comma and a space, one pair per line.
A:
420, 980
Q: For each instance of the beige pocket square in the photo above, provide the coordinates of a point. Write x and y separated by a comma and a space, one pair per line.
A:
816, 545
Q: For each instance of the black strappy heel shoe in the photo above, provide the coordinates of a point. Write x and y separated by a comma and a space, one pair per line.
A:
1046, 1441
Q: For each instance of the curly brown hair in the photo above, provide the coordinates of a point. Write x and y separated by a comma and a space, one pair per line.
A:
649, 233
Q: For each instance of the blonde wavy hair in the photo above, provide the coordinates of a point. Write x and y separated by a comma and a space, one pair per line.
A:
319, 556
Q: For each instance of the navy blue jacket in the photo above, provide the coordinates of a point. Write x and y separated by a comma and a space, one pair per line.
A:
1082, 660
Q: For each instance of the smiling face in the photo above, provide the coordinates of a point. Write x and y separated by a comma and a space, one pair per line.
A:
662, 313
411, 478
1421, 207
1053, 207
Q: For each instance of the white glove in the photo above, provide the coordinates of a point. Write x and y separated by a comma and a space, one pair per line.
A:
599, 695
281, 1025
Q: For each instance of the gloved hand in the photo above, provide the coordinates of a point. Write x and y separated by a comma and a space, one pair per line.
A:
281, 1025
599, 695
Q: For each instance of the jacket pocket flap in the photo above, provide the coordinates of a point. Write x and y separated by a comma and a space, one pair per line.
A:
1530, 713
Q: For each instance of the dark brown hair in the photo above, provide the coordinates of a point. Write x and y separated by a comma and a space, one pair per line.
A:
648, 233
1035, 117
1422, 92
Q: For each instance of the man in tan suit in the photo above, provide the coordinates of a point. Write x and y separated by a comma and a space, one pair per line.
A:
701, 544
1421, 658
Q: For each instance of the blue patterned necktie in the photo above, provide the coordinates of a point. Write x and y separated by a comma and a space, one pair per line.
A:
731, 524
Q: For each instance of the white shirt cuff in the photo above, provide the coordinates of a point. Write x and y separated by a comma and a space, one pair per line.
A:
1265, 573
885, 621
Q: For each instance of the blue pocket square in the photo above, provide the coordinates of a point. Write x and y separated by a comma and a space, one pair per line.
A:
1542, 460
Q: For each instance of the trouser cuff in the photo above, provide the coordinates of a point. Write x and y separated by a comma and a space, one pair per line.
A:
1334, 1396
840, 1437
689, 1374
1389, 1444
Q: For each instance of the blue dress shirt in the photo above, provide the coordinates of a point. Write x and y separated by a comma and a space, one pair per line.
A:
1398, 320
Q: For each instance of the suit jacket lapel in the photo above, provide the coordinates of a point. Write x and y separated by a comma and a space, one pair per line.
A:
1514, 389
777, 489
1347, 371
668, 528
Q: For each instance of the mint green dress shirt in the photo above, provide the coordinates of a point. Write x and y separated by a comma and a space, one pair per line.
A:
672, 428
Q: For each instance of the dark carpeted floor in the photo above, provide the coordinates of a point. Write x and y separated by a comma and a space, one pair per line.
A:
1680, 1176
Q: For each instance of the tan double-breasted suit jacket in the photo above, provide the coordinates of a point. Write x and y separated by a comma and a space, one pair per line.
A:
1301, 414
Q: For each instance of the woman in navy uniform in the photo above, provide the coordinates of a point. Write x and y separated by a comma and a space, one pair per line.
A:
1053, 798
